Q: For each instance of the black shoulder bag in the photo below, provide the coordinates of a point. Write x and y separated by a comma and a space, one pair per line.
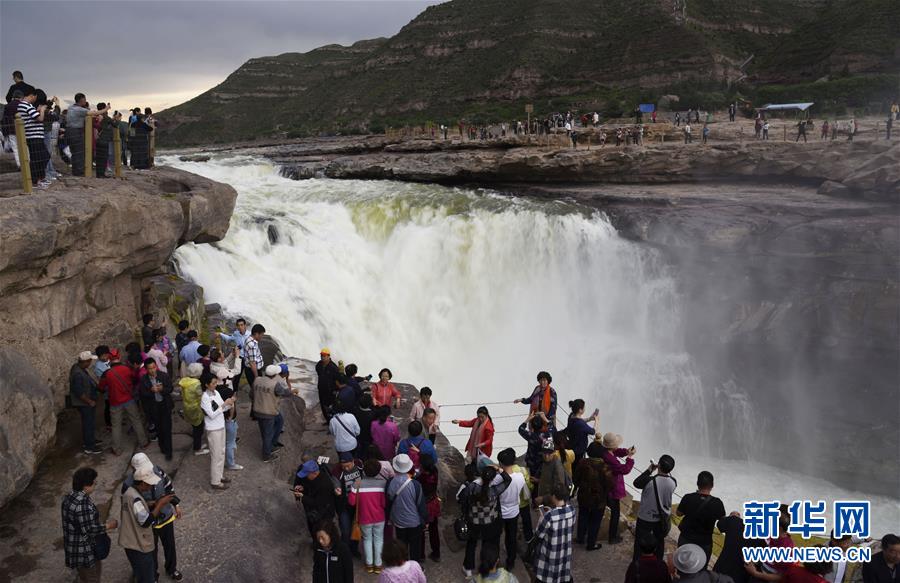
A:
666, 522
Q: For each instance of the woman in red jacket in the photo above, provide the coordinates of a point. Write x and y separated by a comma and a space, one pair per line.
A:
482, 437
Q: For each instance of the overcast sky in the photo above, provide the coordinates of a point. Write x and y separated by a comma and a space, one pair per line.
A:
158, 54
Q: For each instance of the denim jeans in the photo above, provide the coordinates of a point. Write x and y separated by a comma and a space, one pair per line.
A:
266, 430
51, 171
231, 427
589, 525
143, 565
373, 542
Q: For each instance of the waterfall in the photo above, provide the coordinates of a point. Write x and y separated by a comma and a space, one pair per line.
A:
472, 293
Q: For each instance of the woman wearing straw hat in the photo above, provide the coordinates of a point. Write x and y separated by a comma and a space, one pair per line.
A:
612, 451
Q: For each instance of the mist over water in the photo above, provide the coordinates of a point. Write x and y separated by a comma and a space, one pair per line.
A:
471, 293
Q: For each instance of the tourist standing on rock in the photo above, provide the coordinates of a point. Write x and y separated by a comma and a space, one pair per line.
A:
656, 504
347, 394
531, 431
732, 111
316, 491
239, 338
593, 481
553, 556
578, 429
83, 394
101, 365
825, 127
385, 433
214, 408
137, 519
765, 130
226, 391
398, 568
191, 393
417, 445
384, 393
889, 124
408, 511
75, 120
883, 568
267, 391
801, 131
347, 472
543, 399
147, 329
690, 563
481, 438
164, 523
328, 373
156, 388
118, 382
368, 496
677, 119
428, 477
82, 529
511, 503
344, 428
332, 562
33, 118
364, 416
687, 133
705, 134
419, 409
188, 353
701, 510
552, 475
139, 144
253, 359
730, 560
611, 443
647, 567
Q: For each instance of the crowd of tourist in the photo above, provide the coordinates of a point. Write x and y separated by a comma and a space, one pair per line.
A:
375, 497
51, 127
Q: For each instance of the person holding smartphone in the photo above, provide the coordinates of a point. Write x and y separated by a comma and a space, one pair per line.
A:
579, 429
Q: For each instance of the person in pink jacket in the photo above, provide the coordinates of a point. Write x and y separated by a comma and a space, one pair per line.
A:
612, 451
385, 433
397, 566
368, 496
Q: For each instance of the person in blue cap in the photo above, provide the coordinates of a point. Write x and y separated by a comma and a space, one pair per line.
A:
317, 492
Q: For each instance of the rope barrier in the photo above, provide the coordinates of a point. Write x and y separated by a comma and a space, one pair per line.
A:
479, 404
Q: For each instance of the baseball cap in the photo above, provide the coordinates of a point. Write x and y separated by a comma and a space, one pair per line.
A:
146, 474
87, 355
307, 468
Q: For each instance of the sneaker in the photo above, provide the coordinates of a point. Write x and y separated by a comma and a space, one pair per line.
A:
370, 569
235, 467
154, 438
93, 451
225, 480
277, 446
271, 458
219, 486
175, 575
596, 547
377, 569
203, 451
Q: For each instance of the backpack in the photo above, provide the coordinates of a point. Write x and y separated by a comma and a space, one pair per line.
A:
414, 455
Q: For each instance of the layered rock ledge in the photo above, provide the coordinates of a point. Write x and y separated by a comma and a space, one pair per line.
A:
77, 265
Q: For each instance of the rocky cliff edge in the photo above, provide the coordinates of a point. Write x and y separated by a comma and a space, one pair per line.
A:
75, 262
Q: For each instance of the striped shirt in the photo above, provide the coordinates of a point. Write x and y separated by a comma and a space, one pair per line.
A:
34, 129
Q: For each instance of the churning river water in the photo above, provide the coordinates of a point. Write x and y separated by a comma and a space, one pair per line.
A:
472, 293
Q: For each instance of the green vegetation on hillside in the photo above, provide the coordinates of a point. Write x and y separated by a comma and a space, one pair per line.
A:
483, 60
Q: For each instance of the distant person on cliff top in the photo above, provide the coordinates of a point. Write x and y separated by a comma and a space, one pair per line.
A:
19, 84
481, 438
611, 443
801, 131
327, 383
417, 413
688, 138
139, 144
732, 110
85, 539
701, 510
118, 382
76, 116
765, 130
543, 398
384, 393
653, 517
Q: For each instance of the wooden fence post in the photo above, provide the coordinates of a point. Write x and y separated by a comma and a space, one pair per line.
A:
117, 151
24, 157
89, 146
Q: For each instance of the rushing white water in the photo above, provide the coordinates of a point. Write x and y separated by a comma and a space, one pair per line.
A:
471, 293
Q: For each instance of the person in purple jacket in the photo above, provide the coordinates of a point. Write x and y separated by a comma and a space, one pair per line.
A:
611, 443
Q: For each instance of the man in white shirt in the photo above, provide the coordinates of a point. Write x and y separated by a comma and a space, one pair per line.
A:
419, 408
509, 503
345, 429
